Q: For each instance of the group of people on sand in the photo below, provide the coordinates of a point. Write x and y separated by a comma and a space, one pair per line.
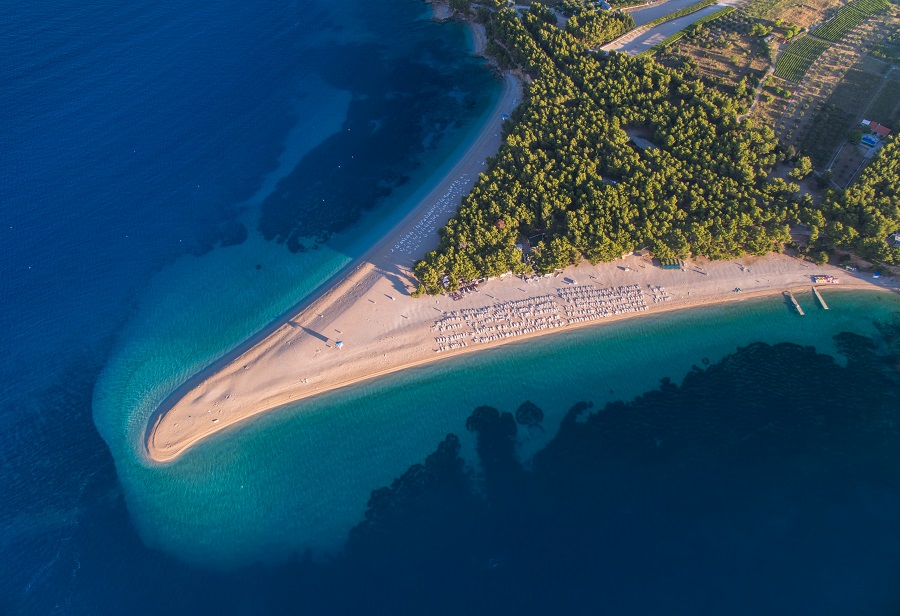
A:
585, 302
571, 304
445, 205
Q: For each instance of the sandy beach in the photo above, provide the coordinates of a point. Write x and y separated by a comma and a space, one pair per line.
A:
368, 325
365, 323
391, 258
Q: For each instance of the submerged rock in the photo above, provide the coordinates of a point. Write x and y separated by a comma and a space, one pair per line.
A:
529, 414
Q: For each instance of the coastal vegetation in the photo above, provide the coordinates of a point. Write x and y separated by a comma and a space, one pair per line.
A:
868, 211
595, 27
570, 184
570, 181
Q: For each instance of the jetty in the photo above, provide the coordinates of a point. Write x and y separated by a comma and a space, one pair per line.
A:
819, 297
795, 302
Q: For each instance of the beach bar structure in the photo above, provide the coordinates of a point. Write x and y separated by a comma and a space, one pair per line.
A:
671, 264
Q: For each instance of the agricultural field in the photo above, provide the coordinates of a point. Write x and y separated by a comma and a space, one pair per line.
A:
803, 13
773, 103
860, 84
888, 48
816, 115
841, 112
692, 31
722, 52
848, 163
848, 17
796, 60
867, 87
885, 108
831, 99
820, 89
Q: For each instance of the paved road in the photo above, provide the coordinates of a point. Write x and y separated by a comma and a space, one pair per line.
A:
645, 14
637, 42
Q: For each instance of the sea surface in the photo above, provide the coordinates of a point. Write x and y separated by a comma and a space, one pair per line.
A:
174, 176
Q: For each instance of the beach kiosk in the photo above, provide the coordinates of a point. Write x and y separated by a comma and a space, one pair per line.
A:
671, 264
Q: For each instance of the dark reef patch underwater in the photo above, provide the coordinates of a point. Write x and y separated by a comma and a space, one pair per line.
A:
401, 108
767, 482
151, 149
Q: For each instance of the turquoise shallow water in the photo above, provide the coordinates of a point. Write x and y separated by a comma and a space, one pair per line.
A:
142, 142
199, 306
299, 479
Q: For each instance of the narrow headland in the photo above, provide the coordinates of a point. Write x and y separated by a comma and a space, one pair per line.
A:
364, 323
367, 324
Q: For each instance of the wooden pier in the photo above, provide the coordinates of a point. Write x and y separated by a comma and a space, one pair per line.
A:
795, 302
819, 297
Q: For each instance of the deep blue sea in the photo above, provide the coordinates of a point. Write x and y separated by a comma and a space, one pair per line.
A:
175, 174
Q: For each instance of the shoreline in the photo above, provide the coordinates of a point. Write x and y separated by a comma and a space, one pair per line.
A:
485, 143
345, 332
301, 361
